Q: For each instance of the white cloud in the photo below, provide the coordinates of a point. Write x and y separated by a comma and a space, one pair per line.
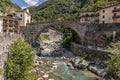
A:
23, 7
31, 2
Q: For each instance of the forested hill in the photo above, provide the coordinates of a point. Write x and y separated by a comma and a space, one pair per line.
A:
65, 9
8, 5
93, 4
56, 9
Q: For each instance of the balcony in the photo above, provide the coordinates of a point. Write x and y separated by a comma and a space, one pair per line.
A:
5, 27
97, 20
88, 15
97, 14
116, 10
5, 23
16, 23
116, 16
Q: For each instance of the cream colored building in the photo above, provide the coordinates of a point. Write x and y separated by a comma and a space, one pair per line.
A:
108, 14
25, 16
87, 17
9, 24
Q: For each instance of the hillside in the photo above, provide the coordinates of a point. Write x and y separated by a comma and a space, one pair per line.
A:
8, 5
93, 4
65, 9
56, 9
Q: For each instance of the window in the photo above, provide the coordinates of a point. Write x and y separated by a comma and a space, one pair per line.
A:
27, 21
115, 8
20, 15
114, 14
4, 30
103, 22
103, 16
10, 31
103, 11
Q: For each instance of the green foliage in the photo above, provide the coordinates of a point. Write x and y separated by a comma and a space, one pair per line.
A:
20, 62
7, 4
56, 9
113, 62
66, 42
106, 39
93, 4
43, 37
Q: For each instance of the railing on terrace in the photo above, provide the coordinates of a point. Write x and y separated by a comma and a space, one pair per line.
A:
116, 10
91, 47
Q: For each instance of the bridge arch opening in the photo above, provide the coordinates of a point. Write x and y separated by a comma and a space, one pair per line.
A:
65, 30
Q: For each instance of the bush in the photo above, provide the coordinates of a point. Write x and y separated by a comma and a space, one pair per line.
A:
113, 62
20, 62
66, 42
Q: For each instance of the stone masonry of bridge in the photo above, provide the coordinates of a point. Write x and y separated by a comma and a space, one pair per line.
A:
89, 33
33, 30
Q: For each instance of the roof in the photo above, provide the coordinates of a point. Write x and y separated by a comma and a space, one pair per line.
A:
103, 7
16, 18
24, 10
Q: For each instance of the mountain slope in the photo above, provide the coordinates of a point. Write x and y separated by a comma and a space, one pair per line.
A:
8, 5
65, 9
93, 4
56, 9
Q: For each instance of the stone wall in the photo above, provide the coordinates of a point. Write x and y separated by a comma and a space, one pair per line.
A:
96, 55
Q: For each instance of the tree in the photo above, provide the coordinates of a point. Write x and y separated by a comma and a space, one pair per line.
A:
113, 62
20, 63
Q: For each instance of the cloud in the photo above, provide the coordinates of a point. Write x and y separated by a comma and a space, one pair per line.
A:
31, 2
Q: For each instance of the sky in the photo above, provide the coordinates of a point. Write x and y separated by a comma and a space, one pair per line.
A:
27, 3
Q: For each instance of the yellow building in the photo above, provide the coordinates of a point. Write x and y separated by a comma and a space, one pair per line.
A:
108, 14
25, 16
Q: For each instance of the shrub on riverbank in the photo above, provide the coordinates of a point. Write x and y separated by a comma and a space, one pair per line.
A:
20, 63
67, 42
113, 62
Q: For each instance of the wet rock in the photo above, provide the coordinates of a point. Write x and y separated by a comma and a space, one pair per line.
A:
45, 76
98, 69
40, 79
50, 79
76, 62
70, 65
40, 62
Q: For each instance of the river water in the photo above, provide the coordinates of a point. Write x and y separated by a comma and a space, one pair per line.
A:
53, 67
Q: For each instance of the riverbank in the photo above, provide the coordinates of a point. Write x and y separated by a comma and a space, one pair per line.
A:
53, 64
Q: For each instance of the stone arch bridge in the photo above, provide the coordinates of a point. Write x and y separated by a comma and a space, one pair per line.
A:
33, 30
86, 32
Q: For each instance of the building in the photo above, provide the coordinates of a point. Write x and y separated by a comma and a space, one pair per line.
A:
87, 17
9, 24
55, 35
108, 14
25, 16
11, 21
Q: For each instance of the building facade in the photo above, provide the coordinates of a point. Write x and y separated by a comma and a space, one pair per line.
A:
9, 24
108, 14
25, 16
104, 14
87, 17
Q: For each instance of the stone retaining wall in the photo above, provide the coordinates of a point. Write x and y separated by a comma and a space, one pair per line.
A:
96, 55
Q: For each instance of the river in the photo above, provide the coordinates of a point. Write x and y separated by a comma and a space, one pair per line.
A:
52, 64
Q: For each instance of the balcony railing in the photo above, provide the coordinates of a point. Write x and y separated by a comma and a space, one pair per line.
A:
88, 15
97, 20
5, 23
116, 10
117, 16
5, 27
97, 14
